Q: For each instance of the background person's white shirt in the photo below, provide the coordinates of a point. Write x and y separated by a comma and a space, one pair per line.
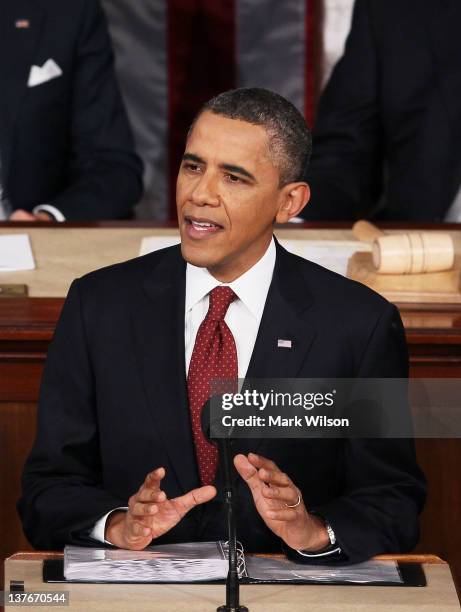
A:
454, 212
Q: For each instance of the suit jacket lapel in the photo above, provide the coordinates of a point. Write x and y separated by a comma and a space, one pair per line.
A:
285, 317
17, 46
158, 324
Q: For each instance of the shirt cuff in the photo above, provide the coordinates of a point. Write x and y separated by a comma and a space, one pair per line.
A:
99, 528
51, 210
331, 550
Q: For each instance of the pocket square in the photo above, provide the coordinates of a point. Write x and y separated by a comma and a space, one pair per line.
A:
42, 74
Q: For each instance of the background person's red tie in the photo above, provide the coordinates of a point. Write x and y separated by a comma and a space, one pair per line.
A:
214, 357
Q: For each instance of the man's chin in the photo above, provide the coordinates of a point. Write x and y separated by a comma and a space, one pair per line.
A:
196, 256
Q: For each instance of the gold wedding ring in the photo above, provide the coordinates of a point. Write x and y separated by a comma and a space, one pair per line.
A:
297, 502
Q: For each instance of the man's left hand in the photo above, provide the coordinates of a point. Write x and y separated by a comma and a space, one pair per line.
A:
273, 494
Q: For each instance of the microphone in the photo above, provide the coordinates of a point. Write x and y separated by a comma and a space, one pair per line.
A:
209, 422
212, 422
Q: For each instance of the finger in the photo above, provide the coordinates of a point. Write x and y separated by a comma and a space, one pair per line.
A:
151, 485
194, 498
275, 478
286, 495
139, 509
154, 478
21, 215
138, 530
269, 471
248, 472
150, 495
284, 514
262, 462
43, 216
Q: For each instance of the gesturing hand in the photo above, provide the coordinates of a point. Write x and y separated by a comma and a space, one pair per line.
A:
273, 492
151, 514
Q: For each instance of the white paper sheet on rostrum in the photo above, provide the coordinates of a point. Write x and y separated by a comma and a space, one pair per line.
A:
331, 254
15, 253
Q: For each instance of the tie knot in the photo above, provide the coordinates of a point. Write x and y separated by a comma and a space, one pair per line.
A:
220, 298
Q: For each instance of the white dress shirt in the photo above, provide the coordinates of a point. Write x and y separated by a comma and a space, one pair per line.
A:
243, 318
243, 315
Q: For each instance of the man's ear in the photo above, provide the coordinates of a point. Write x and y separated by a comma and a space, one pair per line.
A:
295, 196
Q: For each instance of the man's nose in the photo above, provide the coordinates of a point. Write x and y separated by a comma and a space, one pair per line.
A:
206, 191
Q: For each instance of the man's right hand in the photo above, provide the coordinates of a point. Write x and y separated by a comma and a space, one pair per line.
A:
150, 514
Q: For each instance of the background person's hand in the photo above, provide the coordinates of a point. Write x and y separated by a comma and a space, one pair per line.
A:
150, 514
23, 215
272, 490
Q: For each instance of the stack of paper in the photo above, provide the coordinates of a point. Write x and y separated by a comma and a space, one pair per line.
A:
15, 253
191, 562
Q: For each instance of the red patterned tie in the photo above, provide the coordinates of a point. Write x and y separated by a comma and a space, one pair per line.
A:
214, 357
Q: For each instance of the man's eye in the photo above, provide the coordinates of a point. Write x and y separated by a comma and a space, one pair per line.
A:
192, 167
232, 178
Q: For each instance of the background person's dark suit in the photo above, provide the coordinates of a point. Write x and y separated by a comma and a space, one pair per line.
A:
113, 406
387, 134
65, 142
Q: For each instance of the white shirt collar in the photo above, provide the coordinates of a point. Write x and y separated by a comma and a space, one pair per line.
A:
251, 288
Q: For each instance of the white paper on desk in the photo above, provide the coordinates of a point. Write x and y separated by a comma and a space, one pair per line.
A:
15, 253
331, 254
374, 571
149, 244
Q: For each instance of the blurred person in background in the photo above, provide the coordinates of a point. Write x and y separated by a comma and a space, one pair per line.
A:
66, 149
388, 130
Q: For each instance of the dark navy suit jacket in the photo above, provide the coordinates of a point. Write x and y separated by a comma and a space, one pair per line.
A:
113, 406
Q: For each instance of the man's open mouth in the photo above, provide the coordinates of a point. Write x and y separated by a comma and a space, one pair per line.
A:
198, 226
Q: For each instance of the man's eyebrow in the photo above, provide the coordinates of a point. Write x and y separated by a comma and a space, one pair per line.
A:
238, 170
228, 167
193, 158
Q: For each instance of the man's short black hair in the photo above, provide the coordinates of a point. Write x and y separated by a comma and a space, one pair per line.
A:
290, 140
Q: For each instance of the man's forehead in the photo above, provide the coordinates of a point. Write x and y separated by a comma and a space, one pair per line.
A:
218, 136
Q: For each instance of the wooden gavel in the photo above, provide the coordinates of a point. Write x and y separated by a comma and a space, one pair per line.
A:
409, 252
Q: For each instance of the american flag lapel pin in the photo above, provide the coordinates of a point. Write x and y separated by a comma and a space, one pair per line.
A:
22, 24
284, 343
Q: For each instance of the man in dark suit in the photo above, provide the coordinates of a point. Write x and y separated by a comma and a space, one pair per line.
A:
127, 364
66, 150
387, 133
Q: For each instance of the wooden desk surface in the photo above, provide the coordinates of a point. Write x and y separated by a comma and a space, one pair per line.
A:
438, 596
63, 253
